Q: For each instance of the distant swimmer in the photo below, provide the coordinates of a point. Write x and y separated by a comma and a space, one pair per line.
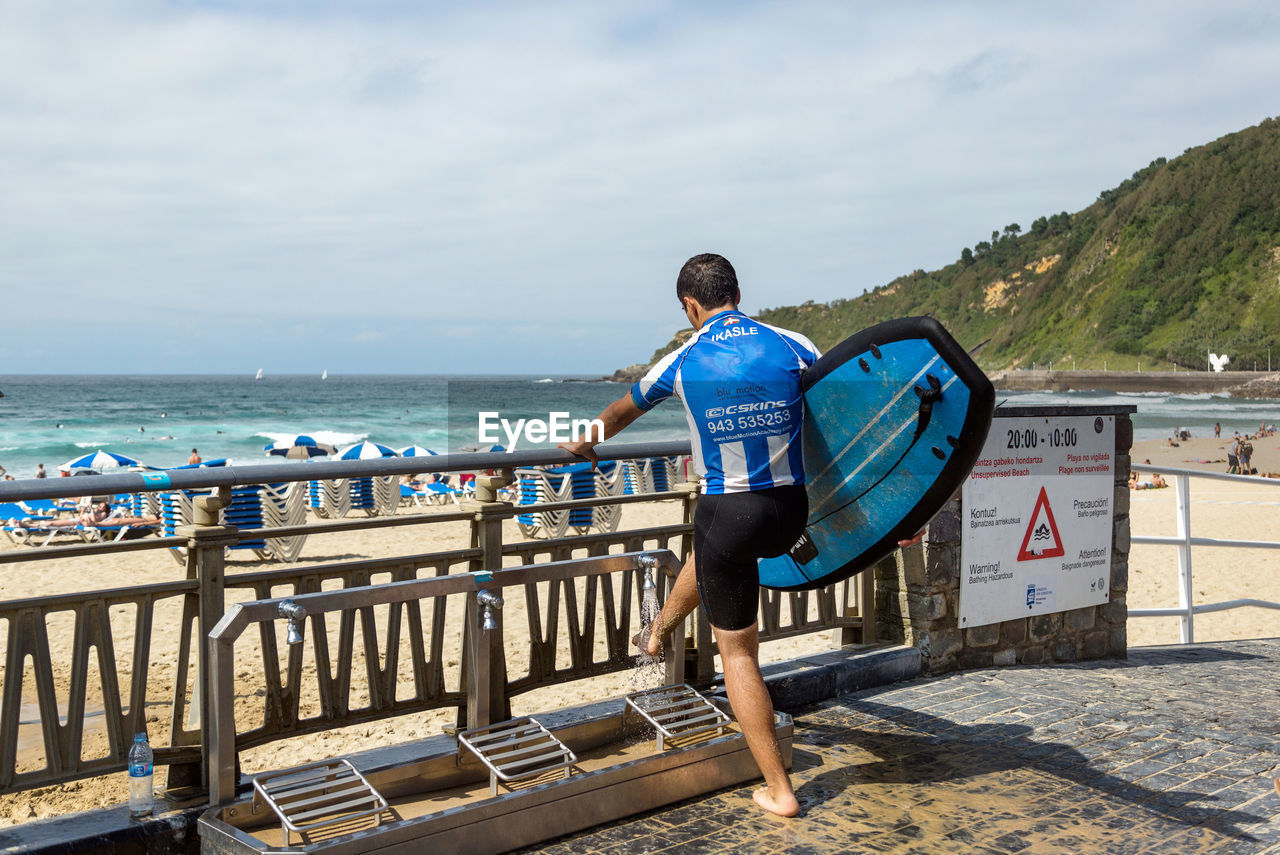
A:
58, 425
142, 430
164, 415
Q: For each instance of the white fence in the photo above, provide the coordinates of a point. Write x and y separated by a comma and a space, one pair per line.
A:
1184, 541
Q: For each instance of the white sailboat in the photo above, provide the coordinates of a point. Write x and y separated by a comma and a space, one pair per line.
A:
324, 375
258, 376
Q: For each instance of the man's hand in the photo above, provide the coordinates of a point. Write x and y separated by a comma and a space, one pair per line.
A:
903, 544
615, 417
583, 449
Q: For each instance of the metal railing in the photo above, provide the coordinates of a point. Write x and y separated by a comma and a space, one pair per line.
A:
317, 470
376, 664
1183, 540
482, 646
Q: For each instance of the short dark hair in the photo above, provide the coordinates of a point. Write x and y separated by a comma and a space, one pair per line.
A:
708, 278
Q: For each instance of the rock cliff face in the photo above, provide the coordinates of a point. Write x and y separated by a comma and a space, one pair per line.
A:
630, 374
1267, 386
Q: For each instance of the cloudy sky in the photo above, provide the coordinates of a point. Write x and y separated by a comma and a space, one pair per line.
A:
512, 187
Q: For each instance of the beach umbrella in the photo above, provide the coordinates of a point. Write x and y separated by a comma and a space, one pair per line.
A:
416, 451
300, 447
367, 451
99, 461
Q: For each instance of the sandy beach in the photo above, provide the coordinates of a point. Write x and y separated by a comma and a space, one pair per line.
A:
1220, 509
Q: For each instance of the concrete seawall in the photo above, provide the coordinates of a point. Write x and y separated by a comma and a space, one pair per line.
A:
1173, 382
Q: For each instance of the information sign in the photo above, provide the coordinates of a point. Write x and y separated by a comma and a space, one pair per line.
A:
1037, 518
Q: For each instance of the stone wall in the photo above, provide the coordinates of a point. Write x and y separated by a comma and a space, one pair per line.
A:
918, 597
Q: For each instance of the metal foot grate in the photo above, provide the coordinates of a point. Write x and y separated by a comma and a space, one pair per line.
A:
308, 798
517, 750
677, 711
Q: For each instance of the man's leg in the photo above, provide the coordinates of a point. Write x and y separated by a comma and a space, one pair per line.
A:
740, 653
681, 601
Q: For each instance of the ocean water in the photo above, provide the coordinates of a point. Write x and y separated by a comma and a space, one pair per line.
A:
1160, 414
158, 419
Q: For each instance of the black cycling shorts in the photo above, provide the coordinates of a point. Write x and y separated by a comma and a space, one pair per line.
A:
730, 532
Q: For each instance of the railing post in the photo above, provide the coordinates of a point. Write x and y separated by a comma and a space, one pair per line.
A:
221, 744
862, 587
207, 540
1182, 499
485, 674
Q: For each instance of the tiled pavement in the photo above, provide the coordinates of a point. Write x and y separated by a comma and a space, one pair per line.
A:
1171, 751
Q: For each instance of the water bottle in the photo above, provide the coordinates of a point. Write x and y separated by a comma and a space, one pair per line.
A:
141, 797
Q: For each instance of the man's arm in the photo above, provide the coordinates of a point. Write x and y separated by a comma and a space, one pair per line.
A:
615, 417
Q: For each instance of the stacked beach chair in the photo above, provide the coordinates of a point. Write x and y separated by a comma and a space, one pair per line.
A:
284, 505
253, 506
652, 475
538, 486
576, 481
377, 496
143, 504
330, 499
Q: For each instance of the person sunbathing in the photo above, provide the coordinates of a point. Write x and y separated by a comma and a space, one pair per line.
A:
1136, 482
99, 513
95, 514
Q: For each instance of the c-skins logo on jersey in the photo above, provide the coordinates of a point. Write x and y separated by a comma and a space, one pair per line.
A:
805, 550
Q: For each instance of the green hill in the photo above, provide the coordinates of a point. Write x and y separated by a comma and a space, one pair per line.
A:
1181, 259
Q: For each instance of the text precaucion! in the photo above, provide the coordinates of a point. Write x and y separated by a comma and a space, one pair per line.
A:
1037, 518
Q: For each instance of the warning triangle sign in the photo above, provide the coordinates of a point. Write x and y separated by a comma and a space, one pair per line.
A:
1042, 539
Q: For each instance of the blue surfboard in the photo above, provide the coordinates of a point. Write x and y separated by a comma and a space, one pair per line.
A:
895, 417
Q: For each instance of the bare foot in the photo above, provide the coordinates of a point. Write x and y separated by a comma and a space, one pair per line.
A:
782, 806
654, 647
647, 640
652, 641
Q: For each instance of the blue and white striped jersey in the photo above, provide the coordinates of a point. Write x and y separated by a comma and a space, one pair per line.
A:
740, 383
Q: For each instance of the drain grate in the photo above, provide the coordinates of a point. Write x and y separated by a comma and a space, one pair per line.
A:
517, 750
677, 711
308, 798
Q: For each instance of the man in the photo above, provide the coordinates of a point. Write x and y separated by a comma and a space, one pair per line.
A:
194, 459
40, 473
739, 380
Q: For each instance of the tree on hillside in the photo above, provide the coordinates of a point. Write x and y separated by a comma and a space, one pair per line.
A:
966, 256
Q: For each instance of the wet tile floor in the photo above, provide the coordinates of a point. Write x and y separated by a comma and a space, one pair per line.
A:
1173, 750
